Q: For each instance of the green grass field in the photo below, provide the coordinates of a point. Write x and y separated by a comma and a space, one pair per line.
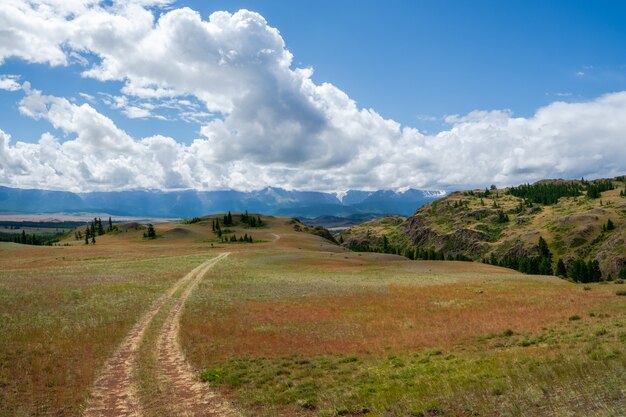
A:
296, 325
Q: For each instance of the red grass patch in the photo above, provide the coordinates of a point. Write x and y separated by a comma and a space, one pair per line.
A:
405, 317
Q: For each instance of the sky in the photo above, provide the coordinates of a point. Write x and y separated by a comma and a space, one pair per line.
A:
325, 95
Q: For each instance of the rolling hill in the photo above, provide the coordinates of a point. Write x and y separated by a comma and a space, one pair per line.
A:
579, 220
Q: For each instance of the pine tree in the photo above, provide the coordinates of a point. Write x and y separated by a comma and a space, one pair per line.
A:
93, 238
595, 274
110, 224
545, 267
543, 249
561, 271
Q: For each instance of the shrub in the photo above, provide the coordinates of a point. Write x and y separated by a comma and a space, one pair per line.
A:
575, 317
213, 375
620, 293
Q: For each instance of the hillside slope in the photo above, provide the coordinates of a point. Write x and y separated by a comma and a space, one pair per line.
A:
494, 225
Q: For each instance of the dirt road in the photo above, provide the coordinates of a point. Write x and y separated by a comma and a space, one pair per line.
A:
115, 391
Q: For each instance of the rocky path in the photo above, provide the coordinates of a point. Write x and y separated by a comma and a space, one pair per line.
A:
115, 391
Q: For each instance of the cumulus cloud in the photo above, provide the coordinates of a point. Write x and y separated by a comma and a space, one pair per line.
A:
263, 122
9, 82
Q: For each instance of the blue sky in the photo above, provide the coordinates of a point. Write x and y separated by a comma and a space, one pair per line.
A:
462, 73
408, 59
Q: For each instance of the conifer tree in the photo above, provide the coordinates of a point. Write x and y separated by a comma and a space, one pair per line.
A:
561, 271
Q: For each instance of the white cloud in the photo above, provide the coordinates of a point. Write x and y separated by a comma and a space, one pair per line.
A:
480, 148
264, 122
9, 82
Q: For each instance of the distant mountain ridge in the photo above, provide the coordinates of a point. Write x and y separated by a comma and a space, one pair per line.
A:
189, 203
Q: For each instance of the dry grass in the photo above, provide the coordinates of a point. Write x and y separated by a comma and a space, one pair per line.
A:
399, 319
298, 326
312, 330
63, 310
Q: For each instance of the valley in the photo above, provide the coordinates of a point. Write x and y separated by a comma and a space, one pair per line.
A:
295, 325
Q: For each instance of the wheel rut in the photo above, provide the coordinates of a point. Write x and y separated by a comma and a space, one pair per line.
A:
115, 392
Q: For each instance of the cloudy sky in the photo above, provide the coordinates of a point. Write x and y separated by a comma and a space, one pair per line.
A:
324, 95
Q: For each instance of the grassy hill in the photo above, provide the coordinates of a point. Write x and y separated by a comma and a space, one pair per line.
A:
499, 225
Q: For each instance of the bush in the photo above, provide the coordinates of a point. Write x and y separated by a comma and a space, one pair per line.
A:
575, 317
620, 293
213, 375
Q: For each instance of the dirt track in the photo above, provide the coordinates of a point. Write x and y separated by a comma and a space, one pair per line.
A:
115, 391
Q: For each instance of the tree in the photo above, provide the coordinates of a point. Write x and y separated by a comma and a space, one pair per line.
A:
110, 224
545, 267
542, 247
150, 233
561, 271
87, 236
609, 225
595, 274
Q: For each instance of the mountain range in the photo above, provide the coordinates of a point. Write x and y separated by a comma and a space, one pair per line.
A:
190, 203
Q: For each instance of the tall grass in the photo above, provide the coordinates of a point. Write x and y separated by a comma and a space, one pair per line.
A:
62, 313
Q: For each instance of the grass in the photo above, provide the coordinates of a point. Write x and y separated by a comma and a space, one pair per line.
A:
407, 384
300, 327
63, 310
314, 332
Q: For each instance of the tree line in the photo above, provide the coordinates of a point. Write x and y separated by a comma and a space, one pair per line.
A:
93, 229
546, 193
549, 193
410, 252
579, 270
38, 239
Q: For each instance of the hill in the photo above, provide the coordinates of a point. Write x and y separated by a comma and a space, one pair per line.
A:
581, 221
